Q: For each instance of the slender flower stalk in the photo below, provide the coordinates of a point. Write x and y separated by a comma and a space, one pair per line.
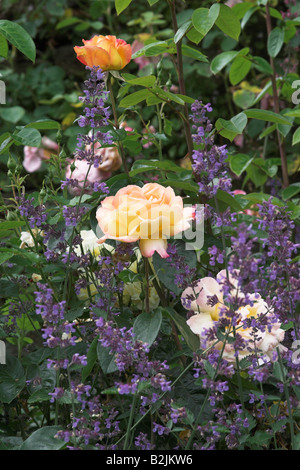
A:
284, 169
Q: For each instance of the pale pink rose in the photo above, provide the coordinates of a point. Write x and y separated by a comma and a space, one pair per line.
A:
150, 215
146, 140
110, 157
34, 156
138, 44
95, 175
239, 140
207, 317
231, 3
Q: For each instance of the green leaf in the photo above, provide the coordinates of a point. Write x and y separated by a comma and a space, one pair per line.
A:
91, 359
16, 35
44, 439
230, 129
152, 49
203, 19
106, 359
44, 124
147, 81
227, 200
147, 325
264, 115
189, 186
11, 225
239, 162
290, 191
3, 47
239, 69
256, 173
141, 166
191, 339
194, 36
68, 22
296, 136
12, 379
182, 31
262, 65
12, 114
39, 396
193, 53
165, 271
221, 60
129, 276
134, 98
275, 41
121, 5
228, 22
28, 136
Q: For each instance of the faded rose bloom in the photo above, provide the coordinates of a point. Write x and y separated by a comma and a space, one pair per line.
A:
138, 44
207, 315
106, 52
34, 156
95, 175
27, 239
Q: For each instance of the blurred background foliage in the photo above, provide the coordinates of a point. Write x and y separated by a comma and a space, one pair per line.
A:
49, 88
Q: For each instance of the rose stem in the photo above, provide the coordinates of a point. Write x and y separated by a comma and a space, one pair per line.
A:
284, 170
187, 128
114, 110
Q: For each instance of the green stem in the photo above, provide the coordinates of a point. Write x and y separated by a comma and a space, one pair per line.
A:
186, 123
116, 121
147, 301
129, 429
285, 176
288, 402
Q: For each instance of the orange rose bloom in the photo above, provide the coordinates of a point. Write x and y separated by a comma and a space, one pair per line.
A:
150, 214
106, 52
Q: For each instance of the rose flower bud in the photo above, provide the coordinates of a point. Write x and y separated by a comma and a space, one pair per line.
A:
106, 52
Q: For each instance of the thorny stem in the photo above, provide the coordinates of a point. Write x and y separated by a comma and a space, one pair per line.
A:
285, 176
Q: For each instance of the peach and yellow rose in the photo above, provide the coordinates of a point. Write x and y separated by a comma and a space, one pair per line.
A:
106, 52
150, 214
207, 315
